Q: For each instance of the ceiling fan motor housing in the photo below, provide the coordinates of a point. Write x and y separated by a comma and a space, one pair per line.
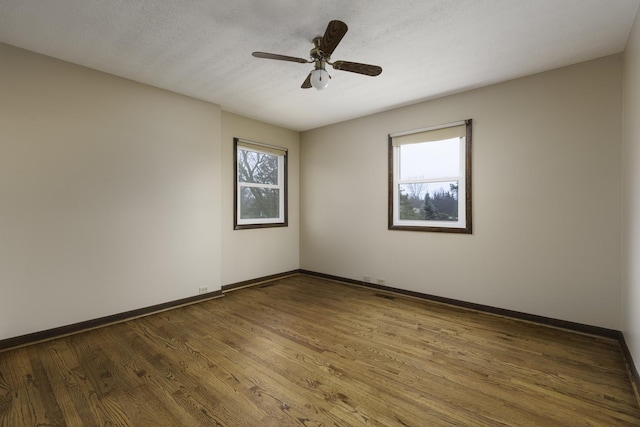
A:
316, 53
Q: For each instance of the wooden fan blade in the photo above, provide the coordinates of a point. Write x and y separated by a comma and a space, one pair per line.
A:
356, 67
333, 34
307, 82
279, 57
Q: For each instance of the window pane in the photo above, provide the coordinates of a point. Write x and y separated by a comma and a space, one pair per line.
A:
259, 168
259, 203
433, 201
430, 160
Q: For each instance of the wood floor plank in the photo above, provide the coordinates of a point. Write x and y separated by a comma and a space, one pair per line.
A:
305, 351
20, 400
281, 391
55, 366
360, 359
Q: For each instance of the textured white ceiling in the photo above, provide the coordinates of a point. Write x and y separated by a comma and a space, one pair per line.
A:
427, 48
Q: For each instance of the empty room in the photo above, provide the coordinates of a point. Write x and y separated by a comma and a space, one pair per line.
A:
304, 213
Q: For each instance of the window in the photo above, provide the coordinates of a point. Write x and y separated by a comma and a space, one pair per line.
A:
260, 196
430, 179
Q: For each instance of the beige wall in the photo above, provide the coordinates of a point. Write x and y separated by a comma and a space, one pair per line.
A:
109, 194
248, 254
631, 186
546, 198
116, 196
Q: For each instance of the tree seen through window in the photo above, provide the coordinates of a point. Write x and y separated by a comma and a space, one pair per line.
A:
260, 185
258, 168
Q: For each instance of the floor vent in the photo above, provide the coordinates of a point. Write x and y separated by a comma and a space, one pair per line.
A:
266, 285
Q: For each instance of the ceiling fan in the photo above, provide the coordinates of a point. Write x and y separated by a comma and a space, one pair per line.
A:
320, 55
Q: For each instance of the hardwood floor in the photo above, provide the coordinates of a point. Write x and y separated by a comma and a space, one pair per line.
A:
304, 351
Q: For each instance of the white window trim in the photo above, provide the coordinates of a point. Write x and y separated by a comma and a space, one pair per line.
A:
463, 224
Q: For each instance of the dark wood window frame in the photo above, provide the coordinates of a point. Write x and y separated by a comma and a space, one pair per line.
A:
236, 213
467, 228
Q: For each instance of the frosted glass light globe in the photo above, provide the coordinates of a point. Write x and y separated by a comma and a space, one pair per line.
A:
319, 79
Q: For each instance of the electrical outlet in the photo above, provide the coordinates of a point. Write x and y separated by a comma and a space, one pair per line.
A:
366, 279
382, 282
203, 289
